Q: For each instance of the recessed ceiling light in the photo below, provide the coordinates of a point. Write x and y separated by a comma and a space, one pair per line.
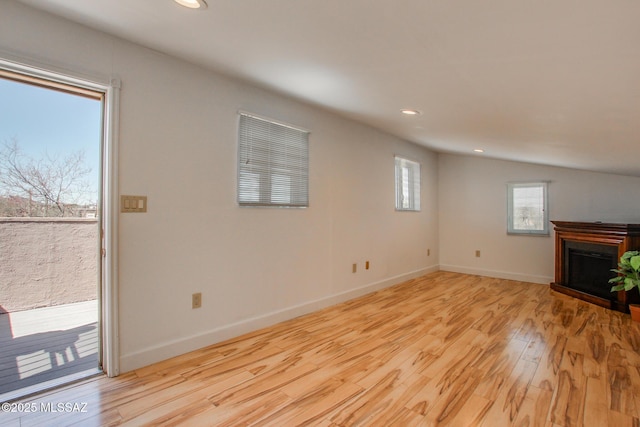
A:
478, 150
410, 112
192, 4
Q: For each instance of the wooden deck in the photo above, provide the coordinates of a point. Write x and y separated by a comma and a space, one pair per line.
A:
43, 346
443, 350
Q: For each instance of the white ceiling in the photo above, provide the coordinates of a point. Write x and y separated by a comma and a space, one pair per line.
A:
554, 82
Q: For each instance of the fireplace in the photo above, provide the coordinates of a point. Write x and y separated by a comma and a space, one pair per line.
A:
585, 254
587, 268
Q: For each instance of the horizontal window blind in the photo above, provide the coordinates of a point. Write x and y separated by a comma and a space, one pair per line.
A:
273, 167
407, 185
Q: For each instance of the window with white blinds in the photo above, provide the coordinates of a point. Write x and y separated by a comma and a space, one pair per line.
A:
527, 211
273, 164
407, 185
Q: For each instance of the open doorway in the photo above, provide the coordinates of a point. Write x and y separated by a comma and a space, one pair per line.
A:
51, 142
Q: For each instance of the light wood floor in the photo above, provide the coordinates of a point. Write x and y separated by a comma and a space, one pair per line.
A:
445, 349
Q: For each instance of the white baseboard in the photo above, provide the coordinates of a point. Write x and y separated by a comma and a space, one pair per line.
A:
183, 345
545, 280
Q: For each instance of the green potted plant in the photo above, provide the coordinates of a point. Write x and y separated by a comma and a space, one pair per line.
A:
628, 278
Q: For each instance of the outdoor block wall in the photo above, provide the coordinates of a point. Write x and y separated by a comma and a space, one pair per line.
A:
47, 261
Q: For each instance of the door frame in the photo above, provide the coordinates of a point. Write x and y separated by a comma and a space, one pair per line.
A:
107, 198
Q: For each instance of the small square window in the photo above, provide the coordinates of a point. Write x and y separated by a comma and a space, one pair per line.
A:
407, 185
527, 208
273, 164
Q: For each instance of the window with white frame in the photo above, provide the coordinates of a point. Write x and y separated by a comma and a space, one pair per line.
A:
273, 164
407, 185
527, 206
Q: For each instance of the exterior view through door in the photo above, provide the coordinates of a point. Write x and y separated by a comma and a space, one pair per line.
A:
50, 150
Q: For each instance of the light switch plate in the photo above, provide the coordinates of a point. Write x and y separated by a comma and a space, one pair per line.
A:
130, 204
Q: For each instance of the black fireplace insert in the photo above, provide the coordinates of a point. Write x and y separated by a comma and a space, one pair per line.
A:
588, 267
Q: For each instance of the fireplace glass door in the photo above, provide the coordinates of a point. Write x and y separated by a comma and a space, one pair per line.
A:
589, 268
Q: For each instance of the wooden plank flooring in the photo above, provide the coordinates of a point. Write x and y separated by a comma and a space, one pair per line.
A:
443, 350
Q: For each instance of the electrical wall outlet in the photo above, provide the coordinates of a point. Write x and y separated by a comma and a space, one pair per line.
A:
366, 265
196, 300
478, 254
354, 268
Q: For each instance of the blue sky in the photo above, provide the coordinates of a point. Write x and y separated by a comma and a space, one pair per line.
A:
50, 121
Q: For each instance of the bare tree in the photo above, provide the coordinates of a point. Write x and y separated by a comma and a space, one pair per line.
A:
49, 186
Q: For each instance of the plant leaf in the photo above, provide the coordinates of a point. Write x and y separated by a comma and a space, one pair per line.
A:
629, 283
635, 262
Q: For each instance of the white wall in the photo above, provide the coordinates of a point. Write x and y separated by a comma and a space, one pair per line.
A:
473, 213
253, 266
